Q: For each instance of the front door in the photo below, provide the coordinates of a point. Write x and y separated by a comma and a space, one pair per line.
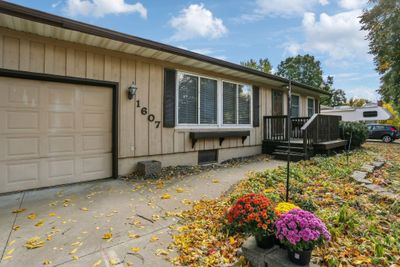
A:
277, 110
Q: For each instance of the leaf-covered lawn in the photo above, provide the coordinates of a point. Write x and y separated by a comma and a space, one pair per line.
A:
365, 227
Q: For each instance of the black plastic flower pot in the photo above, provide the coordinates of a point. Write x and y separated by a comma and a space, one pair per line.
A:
265, 241
300, 257
279, 243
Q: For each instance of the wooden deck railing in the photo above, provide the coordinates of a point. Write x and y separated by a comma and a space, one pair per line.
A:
320, 128
275, 127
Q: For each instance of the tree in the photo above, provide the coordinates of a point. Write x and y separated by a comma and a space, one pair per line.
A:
304, 69
357, 102
263, 64
395, 120
382, 23
337, 97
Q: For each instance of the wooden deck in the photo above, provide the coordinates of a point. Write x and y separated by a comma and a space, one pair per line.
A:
308, 136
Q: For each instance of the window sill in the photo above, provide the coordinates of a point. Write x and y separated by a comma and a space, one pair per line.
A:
216, 127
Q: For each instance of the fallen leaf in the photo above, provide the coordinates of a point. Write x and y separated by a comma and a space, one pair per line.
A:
11, 242
133, 236
16, 228
107, 236
73, 251
161, 252
34, 242
135, 249
19, 210
10, 252
47, 262
114, 262
32, 216
5, 258
154, 238
75, 257
166, 196
231, 240
155, 217
84, 209
52, 214
180, 190
215, 181
97, 263
39, 223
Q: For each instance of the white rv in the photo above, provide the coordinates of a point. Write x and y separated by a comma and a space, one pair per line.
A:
370, 112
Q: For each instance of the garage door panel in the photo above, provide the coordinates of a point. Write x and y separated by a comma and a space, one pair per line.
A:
17, 147
21, 121
61, 121
53, 133
96, 121
19, 94
61, 145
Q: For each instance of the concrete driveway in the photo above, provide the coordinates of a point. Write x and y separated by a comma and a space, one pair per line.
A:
72, 220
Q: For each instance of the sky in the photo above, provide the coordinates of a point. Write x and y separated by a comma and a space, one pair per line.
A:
236, 31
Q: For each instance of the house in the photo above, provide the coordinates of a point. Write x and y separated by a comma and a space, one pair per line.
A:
370, 112
80, 102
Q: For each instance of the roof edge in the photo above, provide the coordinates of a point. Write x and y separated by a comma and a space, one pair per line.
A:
62, 22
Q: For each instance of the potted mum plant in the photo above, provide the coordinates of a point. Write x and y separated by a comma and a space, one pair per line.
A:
254, 214
280, 209
301, 231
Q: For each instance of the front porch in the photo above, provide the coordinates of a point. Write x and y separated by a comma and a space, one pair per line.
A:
309, 136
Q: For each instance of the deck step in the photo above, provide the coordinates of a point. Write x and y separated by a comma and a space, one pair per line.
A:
292, 148
294, 156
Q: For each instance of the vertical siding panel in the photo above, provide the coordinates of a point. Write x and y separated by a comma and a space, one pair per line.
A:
112, 68
49, 59
209, 144
141, 123
155, 94
24, 55
89, 65
127, 110
179, 142
11, 53
37, 57
80, 64
70, 62
60, 59
1, 50
167, 133
98, 67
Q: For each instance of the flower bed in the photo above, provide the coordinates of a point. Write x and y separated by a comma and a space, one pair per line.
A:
363, 225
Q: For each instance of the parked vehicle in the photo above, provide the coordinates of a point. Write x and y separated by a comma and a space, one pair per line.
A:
388, 133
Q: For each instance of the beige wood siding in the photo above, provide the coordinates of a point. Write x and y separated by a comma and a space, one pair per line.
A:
53, 133
137, 136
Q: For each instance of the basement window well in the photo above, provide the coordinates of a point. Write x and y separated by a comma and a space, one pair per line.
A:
208, 156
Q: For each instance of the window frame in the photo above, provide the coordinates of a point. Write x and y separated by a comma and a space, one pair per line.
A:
300, 106
219, 123
313, 108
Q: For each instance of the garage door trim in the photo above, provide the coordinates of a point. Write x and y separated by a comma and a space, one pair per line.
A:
81, 81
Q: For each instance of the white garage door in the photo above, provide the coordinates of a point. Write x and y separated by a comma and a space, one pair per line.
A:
53, 133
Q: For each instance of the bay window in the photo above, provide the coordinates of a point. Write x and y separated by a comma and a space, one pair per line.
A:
203, 101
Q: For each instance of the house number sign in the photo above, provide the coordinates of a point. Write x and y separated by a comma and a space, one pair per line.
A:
150, 117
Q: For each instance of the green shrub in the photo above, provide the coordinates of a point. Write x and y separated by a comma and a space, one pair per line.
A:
358, 132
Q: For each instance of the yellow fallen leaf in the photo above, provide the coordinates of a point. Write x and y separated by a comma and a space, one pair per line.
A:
180, 190
11, 251
5, 258
166, 196
84, 209
154, 238
215, 181
76, 244
231, 240
114, 262
75, 257
135, 249
97, 263
129, 263
133, 236
19, 210
73, 251
16, 228
34, 242
107, 236
155, 217
161, 252
52, 214
47, 262
269, 190
32, 216
39, 223
11, 242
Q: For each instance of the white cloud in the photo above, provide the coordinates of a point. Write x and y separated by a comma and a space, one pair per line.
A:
100, 8
283, 8
352, 4
338, 36
197, 21
362, 92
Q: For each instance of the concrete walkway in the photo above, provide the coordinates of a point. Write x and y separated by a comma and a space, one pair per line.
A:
72, 220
